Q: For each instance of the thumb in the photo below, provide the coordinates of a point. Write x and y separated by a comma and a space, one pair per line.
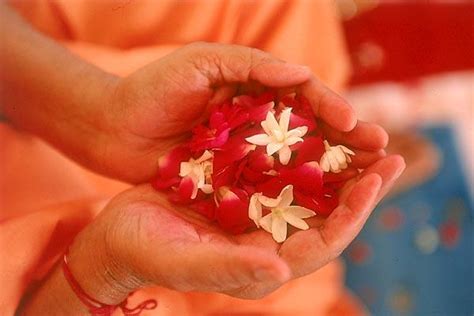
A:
235, 63
221, 267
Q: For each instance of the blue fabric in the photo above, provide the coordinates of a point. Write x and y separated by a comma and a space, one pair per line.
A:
391, 274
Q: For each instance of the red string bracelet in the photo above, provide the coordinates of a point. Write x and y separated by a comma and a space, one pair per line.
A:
97, 308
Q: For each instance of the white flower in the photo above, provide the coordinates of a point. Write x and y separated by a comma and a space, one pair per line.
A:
277, 137
282, 212
200, 171
335, 158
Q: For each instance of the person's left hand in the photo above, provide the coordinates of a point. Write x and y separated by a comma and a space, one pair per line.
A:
155, 108
149, 241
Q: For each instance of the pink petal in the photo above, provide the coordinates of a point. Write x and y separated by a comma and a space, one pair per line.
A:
232, 212
168, 165
310, 150
307, 178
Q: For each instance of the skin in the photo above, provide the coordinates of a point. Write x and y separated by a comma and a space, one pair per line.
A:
120, 126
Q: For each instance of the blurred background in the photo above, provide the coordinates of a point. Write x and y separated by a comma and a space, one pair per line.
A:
413, 73
411, 68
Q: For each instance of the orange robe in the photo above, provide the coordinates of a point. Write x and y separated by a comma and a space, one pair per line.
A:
46, 199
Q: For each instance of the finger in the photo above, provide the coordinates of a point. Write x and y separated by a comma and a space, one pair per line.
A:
344, 175
362, 158
347, 219
221, 267
307, 251
389, 169
365, 136
329, 106
235, 63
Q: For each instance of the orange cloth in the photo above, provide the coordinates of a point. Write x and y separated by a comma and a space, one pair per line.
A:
46, 199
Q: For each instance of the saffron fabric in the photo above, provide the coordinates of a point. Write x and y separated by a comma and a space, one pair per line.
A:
46, 199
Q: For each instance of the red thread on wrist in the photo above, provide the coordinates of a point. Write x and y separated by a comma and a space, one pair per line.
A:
97, 308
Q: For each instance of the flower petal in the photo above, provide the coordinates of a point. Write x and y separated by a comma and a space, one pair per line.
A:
205, 207
279, 229
169, 164
312, 149
269, 202
162, 184
265, 128
259, 139
285, 120
298, 132
307, 178
271, 188
234, 150
286, 196
185, 169
255, 208
258, 113
300, 212
274, 147
187, 188
266, 222
295, 221
284, 155
347, 150
293, 140
271, 121
260, 161
340, 156
322, 204
324, 163
232, 212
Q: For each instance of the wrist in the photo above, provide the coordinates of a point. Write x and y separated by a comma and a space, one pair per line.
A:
97, 272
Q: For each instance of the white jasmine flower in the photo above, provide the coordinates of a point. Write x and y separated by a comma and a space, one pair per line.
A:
277, 137
281, 213
335, 158
199, 171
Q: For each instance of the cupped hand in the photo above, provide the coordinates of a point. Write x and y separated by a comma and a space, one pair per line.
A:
155, 108
144, 240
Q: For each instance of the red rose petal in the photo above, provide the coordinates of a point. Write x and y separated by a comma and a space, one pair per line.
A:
236, 149
271, 188
311, 149
162, 184
169, 165
185, 188
306, 178
258, 160
232, 212
206, 208
322, 204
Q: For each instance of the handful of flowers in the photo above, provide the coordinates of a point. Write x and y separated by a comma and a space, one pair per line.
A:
258, 161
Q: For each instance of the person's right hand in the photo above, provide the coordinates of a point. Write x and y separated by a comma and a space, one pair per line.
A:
144, 115
140, 239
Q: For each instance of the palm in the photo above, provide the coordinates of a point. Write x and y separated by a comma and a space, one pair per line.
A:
156, 107
199, 256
